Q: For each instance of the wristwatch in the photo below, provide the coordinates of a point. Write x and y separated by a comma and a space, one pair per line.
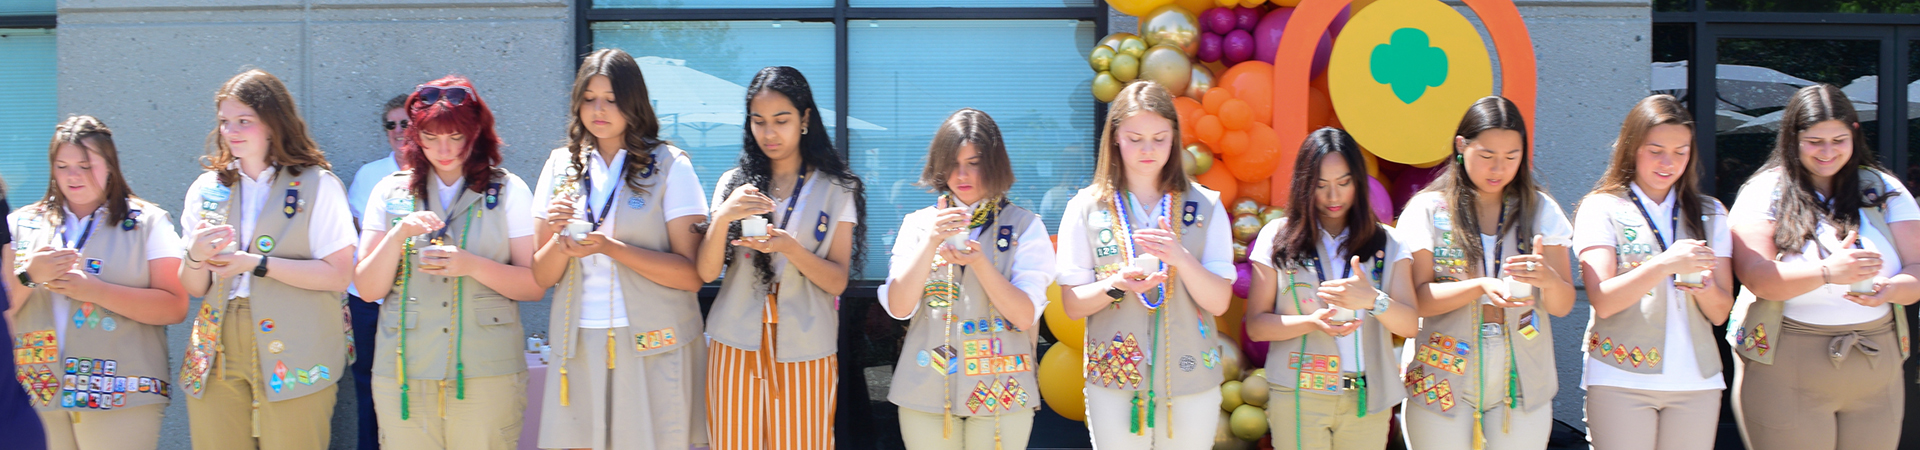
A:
26, 280
1380, 304
1116, 292
260, 271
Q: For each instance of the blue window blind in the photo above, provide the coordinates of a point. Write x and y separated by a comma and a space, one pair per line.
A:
26, 7
908, 76
28, 111
972, 4
712, 4
697, 73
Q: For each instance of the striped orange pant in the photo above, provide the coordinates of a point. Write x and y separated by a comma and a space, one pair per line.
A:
755, 402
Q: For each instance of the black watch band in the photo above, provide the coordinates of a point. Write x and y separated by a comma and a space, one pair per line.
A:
1116, 292
26, 280
260, 271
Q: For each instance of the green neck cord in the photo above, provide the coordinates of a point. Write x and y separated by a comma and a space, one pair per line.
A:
1297, 308
406, 293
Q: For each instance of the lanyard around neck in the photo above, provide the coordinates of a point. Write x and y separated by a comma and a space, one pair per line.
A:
1673, 212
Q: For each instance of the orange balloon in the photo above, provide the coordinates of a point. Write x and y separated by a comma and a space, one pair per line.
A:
1208, 130
1216, 97
1232, 145
1189, 112
1236, 115
1284, 156
1252, 81
1220, 179
1319, 108
1257, 190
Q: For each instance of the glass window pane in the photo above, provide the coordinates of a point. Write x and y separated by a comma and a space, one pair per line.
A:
26, 7
1757, 76
1824, 6
28, 111
971, 3
697, 74
907, 76
1912, 171
1672, 50
712, 4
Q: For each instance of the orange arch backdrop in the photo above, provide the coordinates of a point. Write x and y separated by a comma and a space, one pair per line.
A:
1291, 82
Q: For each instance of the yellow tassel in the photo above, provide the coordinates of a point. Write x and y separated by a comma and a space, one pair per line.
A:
256, 417
563, 386
1479, 437
946, 426
611, 347
443, 399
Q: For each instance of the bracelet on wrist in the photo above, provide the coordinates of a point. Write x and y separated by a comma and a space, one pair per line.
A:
1826, 275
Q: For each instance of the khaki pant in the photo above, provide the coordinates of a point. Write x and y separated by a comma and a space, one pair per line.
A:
226, 417
1193, 417
1808, 400
923, 431
136, 428
1325, 421
1634, 419
489, 418
1524, 430
647, 402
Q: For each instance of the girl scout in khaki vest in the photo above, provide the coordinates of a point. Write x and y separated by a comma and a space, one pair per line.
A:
270, 251
965, 379
1819, 326
775, 323
1146, 255
1652, 248
629, 359
1489, 264
90, 342
1320, 276
448, 245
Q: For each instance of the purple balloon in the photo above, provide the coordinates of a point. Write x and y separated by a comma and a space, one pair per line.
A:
1340, 20
1379, 201
1256, 351
1217, 20
1242, 282
1236, 47
1245, 18
1266, 40
1210, 47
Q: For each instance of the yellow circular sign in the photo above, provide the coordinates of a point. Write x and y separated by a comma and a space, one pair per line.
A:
1402, 74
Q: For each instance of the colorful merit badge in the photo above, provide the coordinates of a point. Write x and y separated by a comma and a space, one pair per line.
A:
1005, 239
820, 228
264, 244
293, 202
493, 195
93, 266
266, 325
1190, 213
127, 225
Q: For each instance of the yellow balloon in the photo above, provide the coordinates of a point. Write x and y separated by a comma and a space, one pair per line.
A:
1062, 382
1252, 3
1195, 6
1167, 65
1137, 8
1403, 73
1173, 25
1071, 332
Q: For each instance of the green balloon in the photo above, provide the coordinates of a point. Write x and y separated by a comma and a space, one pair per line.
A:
1125, 68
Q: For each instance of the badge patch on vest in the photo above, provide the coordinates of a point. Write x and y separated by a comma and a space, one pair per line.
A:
36, 347
637, 202
93, 266
131, 221
1317, 372
266, 325
215, 193
1190, 213
1432, 390
1445, 353
1005, 239
654, 339
292, 204
1115, 363
41, 384
108, 324
264, 244
493, 195
820, 227
1529, 325
278, 378
399, 206
946, 360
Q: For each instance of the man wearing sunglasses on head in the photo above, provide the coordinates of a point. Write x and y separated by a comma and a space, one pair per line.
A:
366, 315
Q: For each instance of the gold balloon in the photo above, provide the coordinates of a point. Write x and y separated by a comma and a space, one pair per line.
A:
1201, 81
1125, 68
1113, 40
1133, 46
1167, 65
1198, 157
1100, 57
1171, 24
1105, 87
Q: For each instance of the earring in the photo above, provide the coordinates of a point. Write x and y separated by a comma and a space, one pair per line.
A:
803, 131
1460, 158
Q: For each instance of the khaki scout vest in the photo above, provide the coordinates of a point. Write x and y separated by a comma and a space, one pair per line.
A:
1633, 339
1121, 338
1752, 316
967, 353
1316, 366
109, 361
451, 323
301, 336
809, 320
1445, 368
659, 318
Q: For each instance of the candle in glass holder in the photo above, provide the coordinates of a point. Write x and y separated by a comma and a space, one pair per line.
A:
957, 242
578, 229
1862, 287
1516, 290
753, 226
435, 262
1147, 263
1341, 316
1690, 279
224, 250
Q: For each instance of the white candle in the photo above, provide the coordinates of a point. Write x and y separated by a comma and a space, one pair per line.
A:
1341, 316
1862, 287
1517, 290
753, 226
578, 229
1690, 279
435, 262
1147, 263
957, 242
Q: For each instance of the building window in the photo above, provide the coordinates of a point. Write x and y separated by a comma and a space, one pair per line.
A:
28, 98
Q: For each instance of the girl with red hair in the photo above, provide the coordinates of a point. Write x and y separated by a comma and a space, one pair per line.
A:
450, 245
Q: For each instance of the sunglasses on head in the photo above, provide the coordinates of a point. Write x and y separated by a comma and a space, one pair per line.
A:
454, 95
402, 124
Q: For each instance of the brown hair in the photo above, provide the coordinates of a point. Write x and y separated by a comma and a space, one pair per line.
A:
1650, 112
288, 144
1139, 97
94, 138
965, 127
1299, 240
1797, 199
630, 98
1456, 187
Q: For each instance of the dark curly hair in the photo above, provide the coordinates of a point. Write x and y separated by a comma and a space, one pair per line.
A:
816, 153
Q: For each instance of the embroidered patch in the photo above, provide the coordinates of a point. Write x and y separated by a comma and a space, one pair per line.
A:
36, 347
215, 193
1187, 363
493, 195
108, 324
820, 227
946, 360
1211, 358
276, 347
922, 359
278, 379
40, 383
654, 339
939, 293
1190, 213
978, 398
1759, 341
292, 202
637, 202
266, 325
1441, 358
1442, 220
1620, 354
93, 266
1529, 325
1016, 395
264, 244
1005, 239
131, 221
1100, 219
1636, 357
1114, 363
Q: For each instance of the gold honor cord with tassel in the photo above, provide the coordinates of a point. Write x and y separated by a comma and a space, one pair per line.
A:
406, 294
566, 313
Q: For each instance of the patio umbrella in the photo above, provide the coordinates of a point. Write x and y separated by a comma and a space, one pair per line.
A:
687, 97
1740, 87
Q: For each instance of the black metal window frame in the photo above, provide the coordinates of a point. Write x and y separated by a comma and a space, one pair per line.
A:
1707, 28
30, 21
840, 15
